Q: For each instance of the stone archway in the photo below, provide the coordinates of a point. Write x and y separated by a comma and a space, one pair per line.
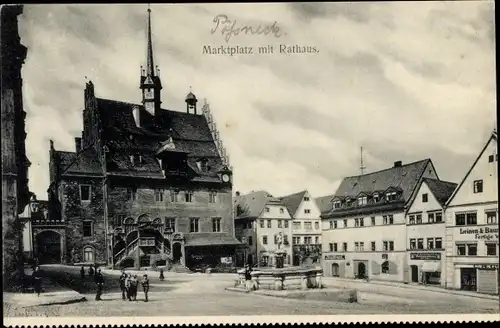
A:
48, 245
176, 253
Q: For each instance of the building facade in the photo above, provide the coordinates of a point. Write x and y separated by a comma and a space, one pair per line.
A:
472, 226
265, 223
145, 186
425, 232
306, 227
15, 164
364, 234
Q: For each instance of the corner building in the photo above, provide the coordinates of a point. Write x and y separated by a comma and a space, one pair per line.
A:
472, 226
364, 234
144, 186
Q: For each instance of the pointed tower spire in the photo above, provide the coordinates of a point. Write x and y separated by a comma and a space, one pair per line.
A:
150, 81
150, 69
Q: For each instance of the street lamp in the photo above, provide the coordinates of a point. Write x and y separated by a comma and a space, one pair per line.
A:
34, 205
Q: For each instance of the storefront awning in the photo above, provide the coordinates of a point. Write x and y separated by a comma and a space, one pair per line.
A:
210, 239
431, 267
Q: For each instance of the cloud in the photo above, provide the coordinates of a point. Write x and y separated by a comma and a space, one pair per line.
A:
406, 81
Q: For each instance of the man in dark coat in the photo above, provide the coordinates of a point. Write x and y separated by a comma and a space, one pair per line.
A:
123, 285
248, 278
145, 286
99, 280
91, 271
37, 280
82, 272
133, 287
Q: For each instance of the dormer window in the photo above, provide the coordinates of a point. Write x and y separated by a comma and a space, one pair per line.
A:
376, 198
363, 200
391, 196
348, 202
136, 159
202, 165
336, 204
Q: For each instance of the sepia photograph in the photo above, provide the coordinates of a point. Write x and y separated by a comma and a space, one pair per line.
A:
249, 163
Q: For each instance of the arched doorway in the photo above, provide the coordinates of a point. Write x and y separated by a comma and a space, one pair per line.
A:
176, 253
48, 245
335, 270
361, 270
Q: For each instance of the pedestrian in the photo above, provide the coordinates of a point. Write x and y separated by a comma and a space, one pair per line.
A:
248, 278
37, 280
91, 271
123, 286
162, 277
128, 286
133, 287
99, 280
145, 286
82, 272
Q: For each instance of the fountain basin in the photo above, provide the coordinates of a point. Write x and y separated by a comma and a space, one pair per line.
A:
283, 278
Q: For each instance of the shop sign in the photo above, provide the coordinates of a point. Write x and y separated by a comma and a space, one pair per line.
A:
226, 260
385, 256
483, 233
334, 257
425, 256
486, 266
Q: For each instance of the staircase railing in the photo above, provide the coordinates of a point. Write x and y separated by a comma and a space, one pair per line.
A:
124, 253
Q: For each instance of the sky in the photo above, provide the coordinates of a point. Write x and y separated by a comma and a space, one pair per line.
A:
405, 81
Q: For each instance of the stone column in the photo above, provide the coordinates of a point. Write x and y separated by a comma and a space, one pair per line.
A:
183, 257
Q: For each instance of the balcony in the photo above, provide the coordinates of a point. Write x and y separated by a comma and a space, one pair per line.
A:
47, 223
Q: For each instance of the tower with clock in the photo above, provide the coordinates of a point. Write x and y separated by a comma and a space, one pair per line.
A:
150, 79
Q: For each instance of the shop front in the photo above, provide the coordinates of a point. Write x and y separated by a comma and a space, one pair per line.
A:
425, 268
334, 265
487, 278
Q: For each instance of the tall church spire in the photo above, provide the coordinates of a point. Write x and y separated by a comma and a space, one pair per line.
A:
150, 69
150, 81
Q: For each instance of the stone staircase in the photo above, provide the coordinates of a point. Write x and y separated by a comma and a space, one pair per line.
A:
179, 268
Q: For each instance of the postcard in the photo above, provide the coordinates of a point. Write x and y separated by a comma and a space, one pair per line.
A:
249, 163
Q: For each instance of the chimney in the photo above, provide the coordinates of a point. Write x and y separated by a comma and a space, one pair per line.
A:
137, 116
398, 164
237, 193
78, 144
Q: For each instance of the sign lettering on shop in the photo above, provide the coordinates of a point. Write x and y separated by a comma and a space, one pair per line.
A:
486, 266
485, 233
425, 256
334, 257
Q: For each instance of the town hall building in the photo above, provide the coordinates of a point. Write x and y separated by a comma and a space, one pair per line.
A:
145, 185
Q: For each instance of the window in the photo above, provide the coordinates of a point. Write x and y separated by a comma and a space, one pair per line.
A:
280, 223
373, 246
331, 225
212, 197
439, 243
269, 224
249, 225
385, 245
356, 222
308, 225
373, 220
275, 239
361, 222
308, 240
491, 249
335, 224
202, 165
344, 245
430, 217
391, 196
491, 159
376, 198
419, 218
412, 219
461, 249
362, 201
85, 193
439, 217
361, 246
388, 219
425, 198
282, 211
316, 225
356, 246
87, 228
413, 243
336, 204
119, 220
174, 196
391, 245
430, 243
420, 243
296, 240
345, 223
216, 224
334, 247
88, 254
136, 159
478, 186
159, 195
306, 199
472, 249
491, 217
297, 225
188, 196
460, 219
261, 223
286, 224
385, 267
264, 240
250, 240
307, 211
471, 218
267, 209
316, 240
265, 260
330, 247
348, 202
194, 225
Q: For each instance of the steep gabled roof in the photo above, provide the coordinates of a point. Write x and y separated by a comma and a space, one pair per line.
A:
403, 178
292, 202
324, 203
252, 204
442, 190
492, 137
84, 162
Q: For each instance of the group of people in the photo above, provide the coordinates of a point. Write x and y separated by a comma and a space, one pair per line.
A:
91, 271
129, 284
